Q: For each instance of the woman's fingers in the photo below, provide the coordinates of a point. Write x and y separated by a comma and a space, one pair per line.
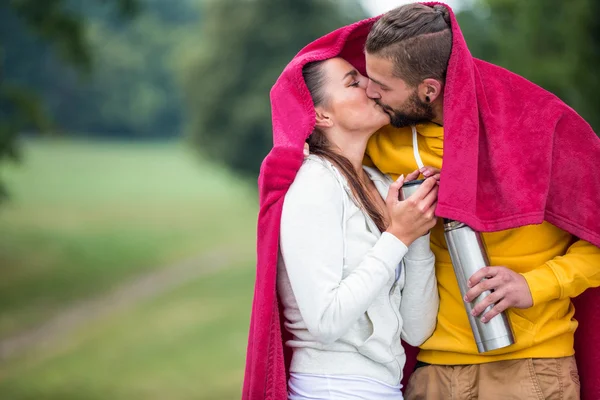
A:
393, 191
423, 190
429, 199
430, 214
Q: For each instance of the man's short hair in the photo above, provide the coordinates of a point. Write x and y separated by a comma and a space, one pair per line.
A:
416, 38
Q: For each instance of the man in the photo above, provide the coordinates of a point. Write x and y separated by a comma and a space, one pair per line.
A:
536, 268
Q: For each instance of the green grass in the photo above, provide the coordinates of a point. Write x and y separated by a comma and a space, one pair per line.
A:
87, 216
189, 344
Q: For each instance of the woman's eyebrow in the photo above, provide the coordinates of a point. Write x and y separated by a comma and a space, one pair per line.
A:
351, 73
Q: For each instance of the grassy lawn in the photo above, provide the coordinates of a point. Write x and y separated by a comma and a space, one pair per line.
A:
188, 344
86, 216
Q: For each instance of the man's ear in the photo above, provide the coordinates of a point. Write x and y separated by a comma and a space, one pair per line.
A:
322, 118
430, 90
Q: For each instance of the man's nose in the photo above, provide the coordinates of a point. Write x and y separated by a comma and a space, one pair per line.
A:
371, 92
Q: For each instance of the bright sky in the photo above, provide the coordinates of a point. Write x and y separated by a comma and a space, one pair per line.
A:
376, 7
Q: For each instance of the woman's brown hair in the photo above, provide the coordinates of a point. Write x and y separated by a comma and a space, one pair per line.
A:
314, 76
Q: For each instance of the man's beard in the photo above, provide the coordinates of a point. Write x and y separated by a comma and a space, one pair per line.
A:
414, 112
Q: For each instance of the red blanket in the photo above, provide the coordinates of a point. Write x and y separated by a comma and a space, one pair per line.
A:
514, 154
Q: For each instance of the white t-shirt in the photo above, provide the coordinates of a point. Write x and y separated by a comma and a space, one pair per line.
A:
340, 387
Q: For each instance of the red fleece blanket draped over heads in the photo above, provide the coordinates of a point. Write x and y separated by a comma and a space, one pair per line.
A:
514, 154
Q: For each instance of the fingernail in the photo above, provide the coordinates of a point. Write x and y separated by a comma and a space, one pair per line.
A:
469, 283
422, 169
465, 298
483, 319
473, 313
400, 178
426, 173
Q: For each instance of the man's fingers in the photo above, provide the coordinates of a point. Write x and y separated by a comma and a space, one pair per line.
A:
487, 272
497, 309
412, 176
429, 171
492, 298
485, 284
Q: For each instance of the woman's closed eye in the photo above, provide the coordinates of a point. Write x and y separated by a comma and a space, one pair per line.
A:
359, 81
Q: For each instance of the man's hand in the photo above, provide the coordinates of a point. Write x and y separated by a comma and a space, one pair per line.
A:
509, 289
426, 171
430, 172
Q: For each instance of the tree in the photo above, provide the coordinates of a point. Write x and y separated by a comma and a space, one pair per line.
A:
56, 25
244, 46
554, 43
132, 91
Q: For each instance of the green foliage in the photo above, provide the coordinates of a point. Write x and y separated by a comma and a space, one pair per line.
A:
554, 43
127, 88
132, 91
30, 30
244, 47
18, 108
84, 67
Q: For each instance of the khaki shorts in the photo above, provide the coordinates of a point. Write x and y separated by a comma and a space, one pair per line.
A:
535, 379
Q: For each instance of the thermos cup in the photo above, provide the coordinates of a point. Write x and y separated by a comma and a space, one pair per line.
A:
409, 188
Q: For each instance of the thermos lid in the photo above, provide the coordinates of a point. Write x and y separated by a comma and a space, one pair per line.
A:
413, 183
450, 224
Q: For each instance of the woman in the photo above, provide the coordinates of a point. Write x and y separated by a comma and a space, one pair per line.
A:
355, 272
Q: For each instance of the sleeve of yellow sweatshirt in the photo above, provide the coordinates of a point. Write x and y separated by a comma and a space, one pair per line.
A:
566, 276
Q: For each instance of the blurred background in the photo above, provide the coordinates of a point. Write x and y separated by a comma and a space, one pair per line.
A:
131, 134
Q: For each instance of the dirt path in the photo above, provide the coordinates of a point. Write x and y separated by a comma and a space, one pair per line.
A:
122, 298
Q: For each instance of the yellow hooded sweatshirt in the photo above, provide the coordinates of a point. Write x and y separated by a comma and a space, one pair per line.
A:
556, 265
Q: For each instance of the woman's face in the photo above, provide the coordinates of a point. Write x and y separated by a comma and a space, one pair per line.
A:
347, 104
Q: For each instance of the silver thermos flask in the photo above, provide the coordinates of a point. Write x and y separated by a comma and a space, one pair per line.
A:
468, 255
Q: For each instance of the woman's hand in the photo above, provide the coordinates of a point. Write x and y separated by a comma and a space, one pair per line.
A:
415, 216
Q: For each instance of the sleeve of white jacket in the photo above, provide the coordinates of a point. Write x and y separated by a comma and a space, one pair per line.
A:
420, 300
312, 248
